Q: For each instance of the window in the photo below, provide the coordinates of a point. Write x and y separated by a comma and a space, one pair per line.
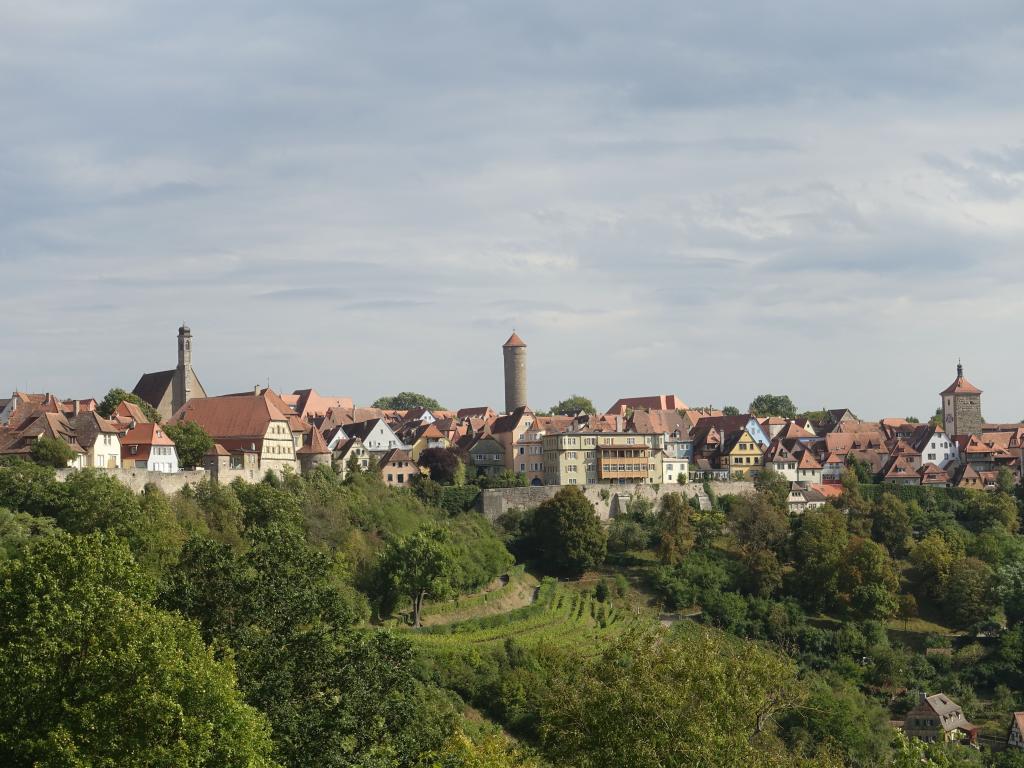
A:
390, 478
401, 478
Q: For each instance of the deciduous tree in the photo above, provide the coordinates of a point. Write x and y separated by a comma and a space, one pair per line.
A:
92, 674
773, 405
420, 566
116, 396
403, 401
191, 441
52, 452
567, 533
573, 405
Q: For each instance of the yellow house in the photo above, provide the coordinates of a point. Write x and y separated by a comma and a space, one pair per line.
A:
741, 455
423, 437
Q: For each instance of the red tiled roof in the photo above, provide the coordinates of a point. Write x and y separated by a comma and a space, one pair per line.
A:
231, 416
514, 341
960, 385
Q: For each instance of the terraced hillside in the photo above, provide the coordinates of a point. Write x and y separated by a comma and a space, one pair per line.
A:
558, 615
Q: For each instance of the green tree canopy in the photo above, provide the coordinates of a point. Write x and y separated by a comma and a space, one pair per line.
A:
573, 405
702, 699
92, 674
731, 410
191, 441
441, 463
116, 396
567, 533
773, 405
403, 401
891, 524
52, 452
818, 547
420, 566
868, 580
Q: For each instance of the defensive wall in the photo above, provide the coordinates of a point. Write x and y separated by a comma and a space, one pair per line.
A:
608, 500
137, 479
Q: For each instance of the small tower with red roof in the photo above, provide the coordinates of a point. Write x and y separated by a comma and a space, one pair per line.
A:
961, 406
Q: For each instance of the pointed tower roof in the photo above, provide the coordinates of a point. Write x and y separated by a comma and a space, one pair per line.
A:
961, 386
514, 341
316, 445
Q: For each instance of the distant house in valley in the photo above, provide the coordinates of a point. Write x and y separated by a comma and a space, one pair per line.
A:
938, 718
1016, 737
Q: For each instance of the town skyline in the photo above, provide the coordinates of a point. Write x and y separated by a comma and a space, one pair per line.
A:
496, 401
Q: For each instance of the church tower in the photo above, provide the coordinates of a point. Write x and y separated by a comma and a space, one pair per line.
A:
514, 351
961, 406
184, 387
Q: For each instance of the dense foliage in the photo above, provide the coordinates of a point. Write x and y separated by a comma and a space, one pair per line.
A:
403, 401
573, 405
116, 396
278, 578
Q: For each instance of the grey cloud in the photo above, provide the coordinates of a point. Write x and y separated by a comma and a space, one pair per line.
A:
706, 172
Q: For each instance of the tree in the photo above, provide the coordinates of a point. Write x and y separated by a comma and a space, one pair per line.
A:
936, 419
730, 410
191, 441
441, 463
704, 700
567, 533
335, 695
907, 609
116, 396
970, 593
839, 717
573, 405
891, 524
985, 509
92, 674
757, 523
932, 559
403, 401
774, 485
773, 405
420, 566
52, 452
676, 535
818, 548
868, 581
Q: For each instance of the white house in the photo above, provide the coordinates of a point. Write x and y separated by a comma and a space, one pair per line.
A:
145, 446
672, 469
99, 439
376, 435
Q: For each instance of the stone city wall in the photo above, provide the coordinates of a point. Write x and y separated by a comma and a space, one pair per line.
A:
137, 479
495, 502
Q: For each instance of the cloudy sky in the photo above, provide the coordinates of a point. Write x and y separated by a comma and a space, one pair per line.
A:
712, 199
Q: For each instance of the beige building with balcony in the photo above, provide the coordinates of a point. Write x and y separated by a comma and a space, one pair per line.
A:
594, 458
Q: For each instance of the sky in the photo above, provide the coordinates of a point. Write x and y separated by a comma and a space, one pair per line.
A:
716, 200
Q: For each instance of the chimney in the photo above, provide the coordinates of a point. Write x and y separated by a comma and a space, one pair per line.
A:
618, 423
256, 391
76, 406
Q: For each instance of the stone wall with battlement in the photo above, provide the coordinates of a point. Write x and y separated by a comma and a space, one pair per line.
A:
495, 502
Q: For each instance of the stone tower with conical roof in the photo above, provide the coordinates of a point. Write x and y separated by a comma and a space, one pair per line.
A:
514, 351
961, 406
